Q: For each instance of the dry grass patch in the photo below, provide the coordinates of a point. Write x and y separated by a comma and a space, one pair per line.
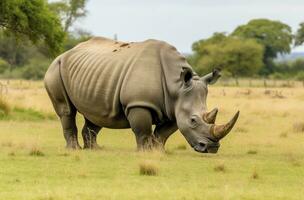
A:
148, 168
12, 154
220, 168
252, 152
283, 134
4, 107
240, 129
291, 159
82, 175
181, 147
64, 154
169, 152
255, 174
298, 127
7, 144
35, 151
77, 158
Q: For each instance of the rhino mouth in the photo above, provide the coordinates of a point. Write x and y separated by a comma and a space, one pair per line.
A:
207, 147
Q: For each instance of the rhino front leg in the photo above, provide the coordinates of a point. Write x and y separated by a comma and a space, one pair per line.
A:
163, 131
140, 120
70, 131
89, 135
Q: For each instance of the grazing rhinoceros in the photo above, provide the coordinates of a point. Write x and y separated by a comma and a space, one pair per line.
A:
133, 85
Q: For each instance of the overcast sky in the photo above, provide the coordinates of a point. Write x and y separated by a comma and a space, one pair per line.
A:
181, 22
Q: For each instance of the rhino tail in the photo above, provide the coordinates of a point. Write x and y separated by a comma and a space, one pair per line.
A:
56, 90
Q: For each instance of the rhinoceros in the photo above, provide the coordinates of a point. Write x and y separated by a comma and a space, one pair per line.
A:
133, 85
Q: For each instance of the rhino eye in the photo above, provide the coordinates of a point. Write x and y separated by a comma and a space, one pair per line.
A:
193, 122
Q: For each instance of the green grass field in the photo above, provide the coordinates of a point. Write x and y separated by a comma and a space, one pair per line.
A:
263, 157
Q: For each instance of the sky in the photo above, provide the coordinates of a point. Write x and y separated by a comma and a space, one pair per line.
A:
182, 22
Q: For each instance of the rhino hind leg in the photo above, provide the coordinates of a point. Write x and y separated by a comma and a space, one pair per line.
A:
140, 120
70, 131
89, 135
62, 104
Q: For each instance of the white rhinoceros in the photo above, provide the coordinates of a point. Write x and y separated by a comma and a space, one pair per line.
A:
133, 85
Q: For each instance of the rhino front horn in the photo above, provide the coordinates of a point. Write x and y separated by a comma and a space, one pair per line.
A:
220, 131
210, 117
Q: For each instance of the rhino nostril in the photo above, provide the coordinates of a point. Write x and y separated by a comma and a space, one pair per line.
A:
203, 145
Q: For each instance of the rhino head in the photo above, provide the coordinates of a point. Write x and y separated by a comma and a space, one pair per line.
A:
195, 123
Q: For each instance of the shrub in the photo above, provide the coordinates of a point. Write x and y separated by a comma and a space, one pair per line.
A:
35, 70
277, 76
3, 66
300, 77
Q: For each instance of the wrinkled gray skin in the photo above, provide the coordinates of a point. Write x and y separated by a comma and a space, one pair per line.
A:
133, 85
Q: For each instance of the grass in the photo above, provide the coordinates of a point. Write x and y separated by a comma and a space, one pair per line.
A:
220, 168
181, 147
253, 162
255, 175
298, 127
252, 152
26, 114
20, 113
4, 107
148, 168
35, 151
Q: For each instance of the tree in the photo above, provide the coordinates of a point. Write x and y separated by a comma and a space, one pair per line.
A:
275, 36
239, 57
69, 11
75, 38
13, 52
299, 37
34, 20
201, 49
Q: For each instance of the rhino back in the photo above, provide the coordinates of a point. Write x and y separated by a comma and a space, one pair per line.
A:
105, 78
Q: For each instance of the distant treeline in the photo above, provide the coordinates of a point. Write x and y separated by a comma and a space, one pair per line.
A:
33, 32
250, 51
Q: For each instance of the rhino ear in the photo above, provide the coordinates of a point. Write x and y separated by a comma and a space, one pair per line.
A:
212, 77
186, 76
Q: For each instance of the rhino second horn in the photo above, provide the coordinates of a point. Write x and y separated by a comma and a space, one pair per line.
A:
210, 117
220, 131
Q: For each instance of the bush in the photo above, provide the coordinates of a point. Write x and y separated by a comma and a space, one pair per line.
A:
3, 66
35, 70
300, 76
277, 76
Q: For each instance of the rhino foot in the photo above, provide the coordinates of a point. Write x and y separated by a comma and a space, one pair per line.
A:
150, 144
92, 146
73, 145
